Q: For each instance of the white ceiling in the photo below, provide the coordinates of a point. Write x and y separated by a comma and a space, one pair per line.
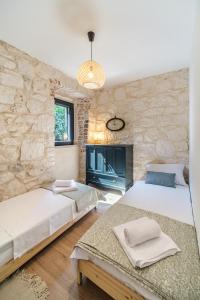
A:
134, 38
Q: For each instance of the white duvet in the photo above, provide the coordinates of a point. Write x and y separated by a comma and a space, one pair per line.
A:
170, 202
32, 217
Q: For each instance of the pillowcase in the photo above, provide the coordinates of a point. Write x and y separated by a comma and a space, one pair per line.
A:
159, 178
169, 168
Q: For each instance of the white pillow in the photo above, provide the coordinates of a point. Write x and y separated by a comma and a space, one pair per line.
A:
169, 168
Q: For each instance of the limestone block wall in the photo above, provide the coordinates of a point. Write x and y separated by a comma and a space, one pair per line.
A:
27, 87
155, 110
82, 110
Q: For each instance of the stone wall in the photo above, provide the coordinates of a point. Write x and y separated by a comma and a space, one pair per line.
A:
27, 88
82, 114
155, 110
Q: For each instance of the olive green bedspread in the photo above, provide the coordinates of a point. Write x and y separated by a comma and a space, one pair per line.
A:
176, 277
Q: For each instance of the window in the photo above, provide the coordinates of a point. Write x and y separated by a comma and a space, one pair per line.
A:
64, 123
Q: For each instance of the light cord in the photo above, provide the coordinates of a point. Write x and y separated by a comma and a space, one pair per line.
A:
91, 52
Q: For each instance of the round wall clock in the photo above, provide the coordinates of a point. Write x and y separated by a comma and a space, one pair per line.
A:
115, 124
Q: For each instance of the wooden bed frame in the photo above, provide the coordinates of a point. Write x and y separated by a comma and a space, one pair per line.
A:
14, 264
112, 286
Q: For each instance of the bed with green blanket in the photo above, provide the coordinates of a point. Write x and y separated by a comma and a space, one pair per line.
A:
174, 278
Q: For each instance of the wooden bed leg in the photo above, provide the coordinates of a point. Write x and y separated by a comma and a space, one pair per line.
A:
79, 275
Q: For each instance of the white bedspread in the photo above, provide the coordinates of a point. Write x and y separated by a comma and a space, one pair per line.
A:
5, 246
5, 238
171, 202
32, 217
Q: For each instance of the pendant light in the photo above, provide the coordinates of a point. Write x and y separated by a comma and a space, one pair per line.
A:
91, 74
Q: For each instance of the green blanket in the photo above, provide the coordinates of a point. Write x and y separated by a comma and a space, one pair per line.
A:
176, 277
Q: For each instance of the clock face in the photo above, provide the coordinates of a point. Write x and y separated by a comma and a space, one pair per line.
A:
115, 124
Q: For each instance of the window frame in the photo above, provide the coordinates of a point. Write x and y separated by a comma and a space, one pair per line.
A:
69, 105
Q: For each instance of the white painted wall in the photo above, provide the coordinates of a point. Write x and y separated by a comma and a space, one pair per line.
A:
195, 126
67, 162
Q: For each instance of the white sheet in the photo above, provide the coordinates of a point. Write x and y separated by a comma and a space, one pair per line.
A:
32, 217
82, 254
170, 202
6, 249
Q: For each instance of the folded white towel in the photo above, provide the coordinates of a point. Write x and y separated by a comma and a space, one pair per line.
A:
141, 230
149, 252
58, 190
63, 183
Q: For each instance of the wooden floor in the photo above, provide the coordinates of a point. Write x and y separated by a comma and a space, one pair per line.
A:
55, 267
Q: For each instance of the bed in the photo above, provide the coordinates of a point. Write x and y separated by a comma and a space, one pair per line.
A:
29, 222
173, 203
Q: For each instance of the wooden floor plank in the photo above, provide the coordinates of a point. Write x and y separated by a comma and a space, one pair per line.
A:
55, 267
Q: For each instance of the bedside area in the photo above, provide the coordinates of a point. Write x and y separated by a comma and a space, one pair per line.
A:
110, 166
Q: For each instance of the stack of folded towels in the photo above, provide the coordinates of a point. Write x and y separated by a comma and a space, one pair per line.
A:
60, 186
143, 242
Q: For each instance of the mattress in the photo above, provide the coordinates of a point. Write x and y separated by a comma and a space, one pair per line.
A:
171, 202
27, 219
174, 203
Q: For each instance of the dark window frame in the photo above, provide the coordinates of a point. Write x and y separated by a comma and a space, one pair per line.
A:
71, 111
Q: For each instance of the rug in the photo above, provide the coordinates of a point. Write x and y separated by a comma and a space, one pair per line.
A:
24, 286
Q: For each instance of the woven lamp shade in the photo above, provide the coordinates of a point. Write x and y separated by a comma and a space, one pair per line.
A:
91, 75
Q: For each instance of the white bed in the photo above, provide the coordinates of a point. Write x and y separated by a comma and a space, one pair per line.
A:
27, 219
171, 202
174, 203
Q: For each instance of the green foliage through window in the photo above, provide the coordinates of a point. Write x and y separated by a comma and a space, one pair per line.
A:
60, 122
63, 122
